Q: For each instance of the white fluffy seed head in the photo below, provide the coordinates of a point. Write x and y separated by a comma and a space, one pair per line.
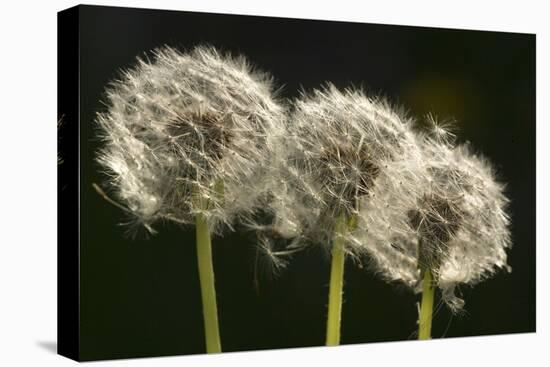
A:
189, 133
443, 211
337, 143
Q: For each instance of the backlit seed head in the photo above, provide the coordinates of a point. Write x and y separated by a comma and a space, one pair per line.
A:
337, 143
189, 133
443, 211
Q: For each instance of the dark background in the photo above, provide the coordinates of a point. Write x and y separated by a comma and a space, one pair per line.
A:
141, 297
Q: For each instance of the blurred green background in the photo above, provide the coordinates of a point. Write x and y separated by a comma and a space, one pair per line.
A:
140, 297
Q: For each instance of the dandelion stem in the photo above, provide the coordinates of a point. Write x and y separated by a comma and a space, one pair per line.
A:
426, 307
336, 284
208, 290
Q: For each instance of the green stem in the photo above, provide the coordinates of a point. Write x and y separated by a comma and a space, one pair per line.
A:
208, 291
336, 284
426, 307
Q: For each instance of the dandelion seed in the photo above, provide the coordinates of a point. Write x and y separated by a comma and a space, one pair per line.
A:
60, 124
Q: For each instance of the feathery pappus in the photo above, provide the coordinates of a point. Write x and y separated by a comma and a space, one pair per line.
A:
337, 143
187, 133
443, 211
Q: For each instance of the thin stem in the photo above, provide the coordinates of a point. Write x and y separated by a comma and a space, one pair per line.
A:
336, 284
208, 290
426, 307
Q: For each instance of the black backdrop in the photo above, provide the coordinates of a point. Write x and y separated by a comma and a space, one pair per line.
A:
140, 297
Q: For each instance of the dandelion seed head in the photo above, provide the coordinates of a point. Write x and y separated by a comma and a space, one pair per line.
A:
442, 211
187, 133
336, 145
